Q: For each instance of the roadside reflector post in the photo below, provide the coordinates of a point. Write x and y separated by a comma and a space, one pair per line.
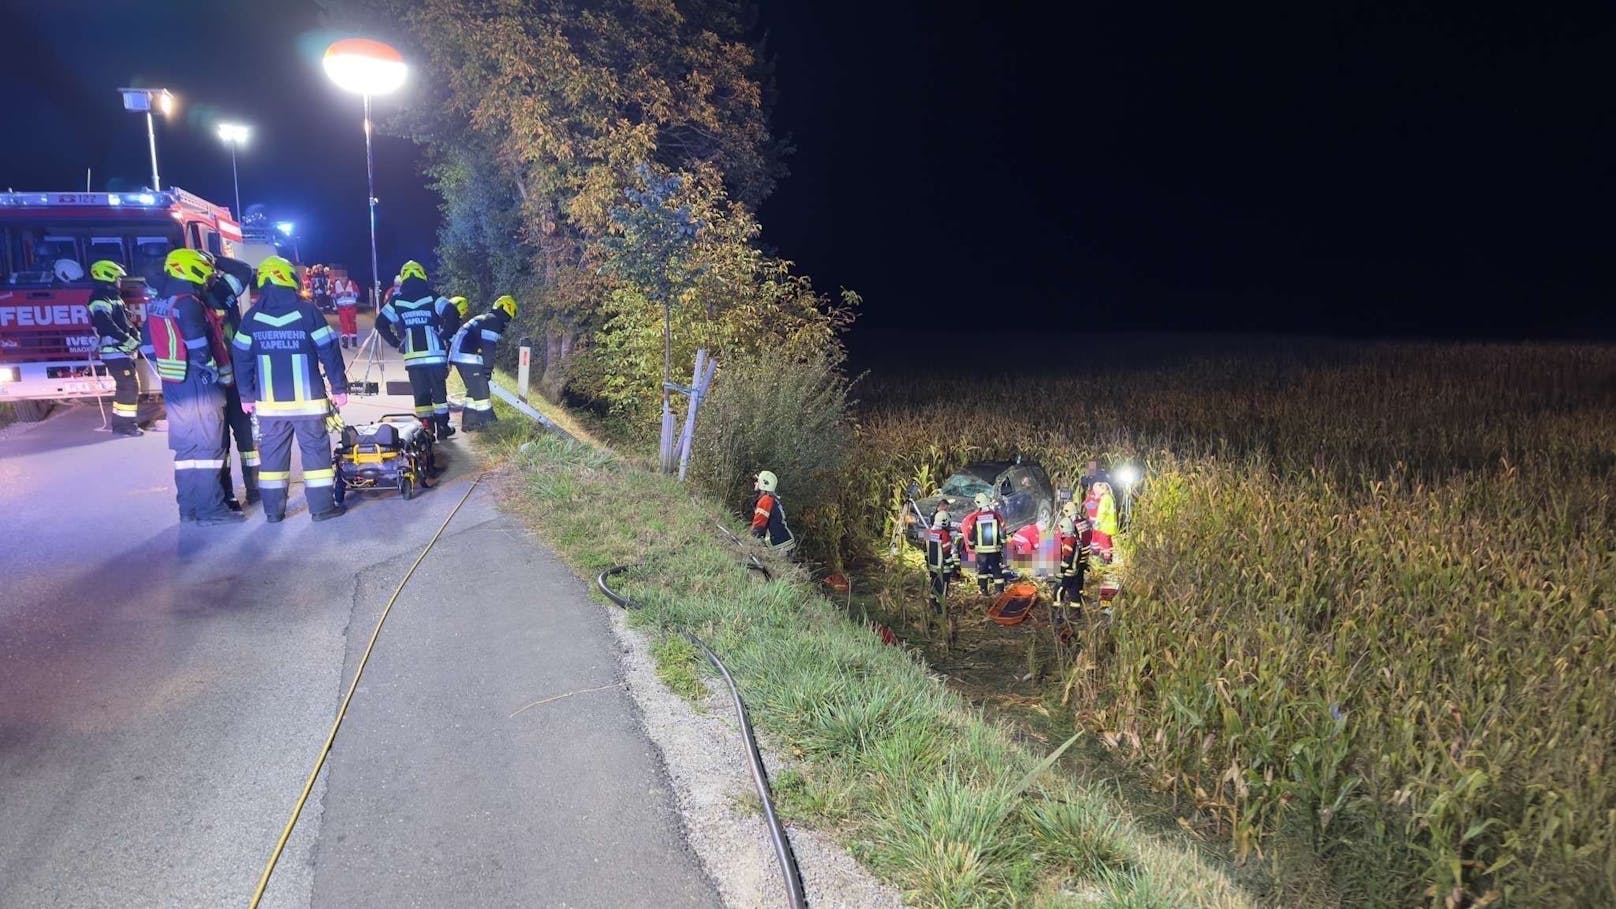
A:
524, 357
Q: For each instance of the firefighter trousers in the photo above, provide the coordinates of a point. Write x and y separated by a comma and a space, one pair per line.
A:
125, 395
238, 423
430, 385
479, 410
990, 569
196, 434
275, 473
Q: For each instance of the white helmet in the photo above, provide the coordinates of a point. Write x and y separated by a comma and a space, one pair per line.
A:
767, 481
67, 271
983, 500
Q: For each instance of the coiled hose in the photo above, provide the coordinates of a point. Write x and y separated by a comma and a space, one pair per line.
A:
796, 898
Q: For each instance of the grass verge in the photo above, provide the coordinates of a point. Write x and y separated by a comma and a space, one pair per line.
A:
912, 780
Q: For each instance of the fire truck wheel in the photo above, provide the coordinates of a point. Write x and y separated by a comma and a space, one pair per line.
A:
32, 411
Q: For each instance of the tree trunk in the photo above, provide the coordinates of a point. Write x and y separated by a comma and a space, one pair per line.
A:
559, 342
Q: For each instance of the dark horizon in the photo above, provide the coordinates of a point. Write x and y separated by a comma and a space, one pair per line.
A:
1351, 170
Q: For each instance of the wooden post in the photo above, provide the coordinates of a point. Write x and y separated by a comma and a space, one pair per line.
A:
699, 380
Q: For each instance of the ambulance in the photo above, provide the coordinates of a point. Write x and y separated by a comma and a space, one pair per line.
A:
47, 242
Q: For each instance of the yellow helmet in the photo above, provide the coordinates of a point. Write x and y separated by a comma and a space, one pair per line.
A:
411, 269
462, 305
508, 304
278, 271
767, 481
1071, 509
192, 265
107, 271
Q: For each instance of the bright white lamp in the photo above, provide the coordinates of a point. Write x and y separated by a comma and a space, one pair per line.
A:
234, 134
367, 67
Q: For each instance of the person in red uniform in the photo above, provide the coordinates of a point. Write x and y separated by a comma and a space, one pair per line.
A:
983, 530
769, 515
347, 295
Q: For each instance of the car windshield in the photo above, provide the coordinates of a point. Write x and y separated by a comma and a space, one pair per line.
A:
965, 486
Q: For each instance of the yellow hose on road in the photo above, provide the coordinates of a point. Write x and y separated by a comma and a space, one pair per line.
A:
319, 763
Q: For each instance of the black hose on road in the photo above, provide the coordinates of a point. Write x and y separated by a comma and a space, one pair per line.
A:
796, 898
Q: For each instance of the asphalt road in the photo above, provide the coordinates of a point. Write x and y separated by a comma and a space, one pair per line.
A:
164, 691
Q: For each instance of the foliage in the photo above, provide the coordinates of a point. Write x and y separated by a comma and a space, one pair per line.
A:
1368, 593
788, 417
725, 296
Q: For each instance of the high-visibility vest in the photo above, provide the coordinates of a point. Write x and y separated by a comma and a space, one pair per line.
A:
987, 534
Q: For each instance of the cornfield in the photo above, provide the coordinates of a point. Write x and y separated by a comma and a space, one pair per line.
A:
1368, 593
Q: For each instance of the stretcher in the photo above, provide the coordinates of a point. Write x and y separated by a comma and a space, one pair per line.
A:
395, 452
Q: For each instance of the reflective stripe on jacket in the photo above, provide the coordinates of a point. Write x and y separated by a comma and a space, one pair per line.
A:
279, 351
477, 341
114, 339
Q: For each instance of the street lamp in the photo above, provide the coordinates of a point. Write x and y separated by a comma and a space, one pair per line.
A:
234, 134
366, 67
142, 100
286, 228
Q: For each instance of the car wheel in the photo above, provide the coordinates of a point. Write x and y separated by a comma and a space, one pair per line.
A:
406, 487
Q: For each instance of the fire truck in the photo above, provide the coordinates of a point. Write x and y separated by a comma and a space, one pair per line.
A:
47, 342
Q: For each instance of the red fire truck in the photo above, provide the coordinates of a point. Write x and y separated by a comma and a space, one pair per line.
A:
47, 342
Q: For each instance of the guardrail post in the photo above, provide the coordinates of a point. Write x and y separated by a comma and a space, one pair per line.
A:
524, 358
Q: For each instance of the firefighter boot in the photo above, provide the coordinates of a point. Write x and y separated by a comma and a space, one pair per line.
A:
444, 430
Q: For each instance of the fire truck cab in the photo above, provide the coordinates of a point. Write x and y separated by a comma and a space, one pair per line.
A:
47, 242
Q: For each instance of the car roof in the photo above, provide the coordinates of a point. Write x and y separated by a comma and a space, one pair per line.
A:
987, 470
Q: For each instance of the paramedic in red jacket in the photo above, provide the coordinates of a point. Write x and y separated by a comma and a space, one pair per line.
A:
769, 515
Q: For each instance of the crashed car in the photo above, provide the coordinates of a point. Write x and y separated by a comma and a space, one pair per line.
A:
1022, 489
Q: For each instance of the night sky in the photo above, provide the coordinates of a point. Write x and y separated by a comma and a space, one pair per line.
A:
1312, 167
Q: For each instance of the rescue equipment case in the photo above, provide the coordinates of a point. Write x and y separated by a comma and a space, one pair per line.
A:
394, 452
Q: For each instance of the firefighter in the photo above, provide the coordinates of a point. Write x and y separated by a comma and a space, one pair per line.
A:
415, 321
117, 342
942, 561
472, 352
983, 530
280, 350
231, 279
348, 312
769, 514
183, 338
1073, 533
320, 284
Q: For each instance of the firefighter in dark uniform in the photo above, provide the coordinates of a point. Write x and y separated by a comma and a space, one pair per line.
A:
184, 340
1073, 534
117, 342
231, 279
983, 530
472, 352
279, 351
416, 321
942, 561
769, 515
